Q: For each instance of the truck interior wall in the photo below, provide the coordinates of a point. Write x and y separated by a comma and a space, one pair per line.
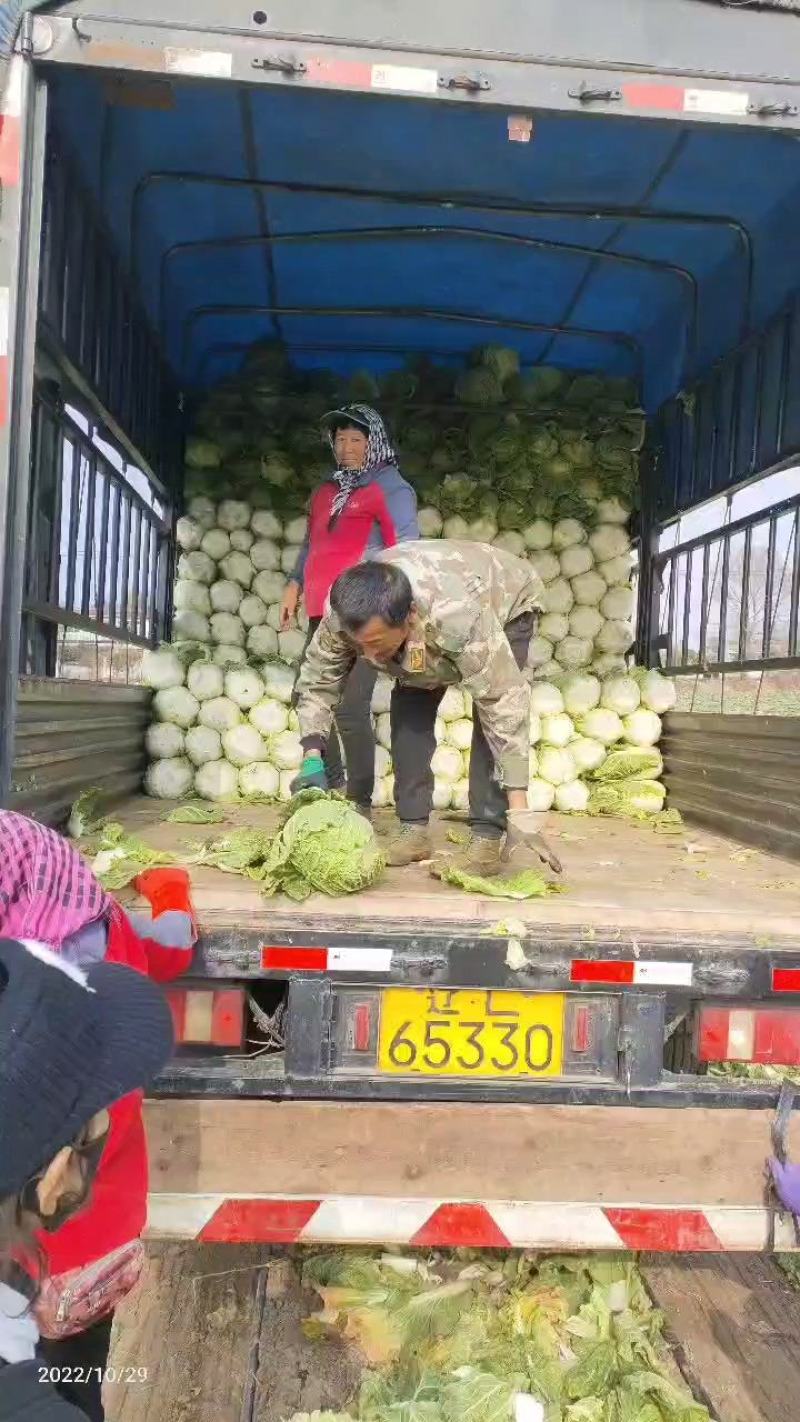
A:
738, 776
72, 734
645, 248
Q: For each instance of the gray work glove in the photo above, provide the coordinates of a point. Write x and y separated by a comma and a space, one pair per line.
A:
527, 827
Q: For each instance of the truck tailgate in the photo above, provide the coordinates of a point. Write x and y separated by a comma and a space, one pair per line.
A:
469, 1174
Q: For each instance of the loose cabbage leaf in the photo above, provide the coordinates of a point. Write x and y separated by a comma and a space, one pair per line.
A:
448, 1339
241, 851
527, 884
84, 819
122, 856
480, 1397
195, 814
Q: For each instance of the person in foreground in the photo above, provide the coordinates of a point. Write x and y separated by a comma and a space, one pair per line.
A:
71, 1044
87, 1264
431, 614
365, 506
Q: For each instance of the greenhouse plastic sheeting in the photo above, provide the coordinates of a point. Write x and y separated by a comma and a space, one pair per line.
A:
366, 263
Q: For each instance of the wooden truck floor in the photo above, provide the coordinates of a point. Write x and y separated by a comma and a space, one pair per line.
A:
218, 1331
617, 874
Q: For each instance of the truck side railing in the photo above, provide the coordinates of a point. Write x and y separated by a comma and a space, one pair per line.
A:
99, 553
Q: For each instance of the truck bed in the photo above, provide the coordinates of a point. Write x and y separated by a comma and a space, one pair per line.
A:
691, 886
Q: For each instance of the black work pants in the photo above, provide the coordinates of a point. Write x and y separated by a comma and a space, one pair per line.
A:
353, 723
413, 720
81, 1360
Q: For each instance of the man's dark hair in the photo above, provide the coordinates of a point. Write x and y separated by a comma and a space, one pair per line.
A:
371, 590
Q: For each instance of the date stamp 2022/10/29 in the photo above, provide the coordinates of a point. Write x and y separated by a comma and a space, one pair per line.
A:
82, 1376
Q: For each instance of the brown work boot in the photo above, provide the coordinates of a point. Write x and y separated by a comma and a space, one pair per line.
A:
481, 856
409, 844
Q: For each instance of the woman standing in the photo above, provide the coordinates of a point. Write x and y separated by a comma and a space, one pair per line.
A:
366, 505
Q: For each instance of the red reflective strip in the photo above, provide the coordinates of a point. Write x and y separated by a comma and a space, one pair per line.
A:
653, 96
362, 1026
9, 151
259, 1222
663, 1229
314, 960
176, 1001
344, 73
227, 1018
460, 1226
786, 979
712, 1041
580, 1030
610, 970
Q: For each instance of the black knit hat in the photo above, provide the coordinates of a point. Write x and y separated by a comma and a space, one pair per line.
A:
71, 1044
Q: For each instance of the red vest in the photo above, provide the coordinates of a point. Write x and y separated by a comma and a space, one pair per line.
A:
117, 1209
332, 551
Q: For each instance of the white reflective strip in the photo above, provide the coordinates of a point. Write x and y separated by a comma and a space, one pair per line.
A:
741, 1034
404, 79
4, 308
554, 1226
180, 1216
207, 63
368, 1220
11, 101
359, 960
749, 1229
663, 974
715, 101
198, 1017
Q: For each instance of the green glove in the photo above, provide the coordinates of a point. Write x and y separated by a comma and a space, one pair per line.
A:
311, 774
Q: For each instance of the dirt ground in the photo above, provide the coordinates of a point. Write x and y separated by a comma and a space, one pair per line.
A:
219, 1331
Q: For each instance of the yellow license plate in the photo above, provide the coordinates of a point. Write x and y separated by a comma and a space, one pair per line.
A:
466, 1032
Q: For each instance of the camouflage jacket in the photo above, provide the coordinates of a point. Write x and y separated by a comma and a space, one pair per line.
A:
464, 596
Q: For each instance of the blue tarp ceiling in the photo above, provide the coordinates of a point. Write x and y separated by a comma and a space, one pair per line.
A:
648, 248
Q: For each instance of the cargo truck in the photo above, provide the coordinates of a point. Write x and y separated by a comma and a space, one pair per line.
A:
606, 186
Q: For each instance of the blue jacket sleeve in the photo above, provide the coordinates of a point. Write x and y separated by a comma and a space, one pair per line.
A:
401, 502
296, 575
298, 571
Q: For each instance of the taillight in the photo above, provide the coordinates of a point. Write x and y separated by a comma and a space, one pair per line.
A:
208, 1016
767, 1036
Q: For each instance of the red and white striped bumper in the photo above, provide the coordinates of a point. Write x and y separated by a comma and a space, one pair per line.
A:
430, 1223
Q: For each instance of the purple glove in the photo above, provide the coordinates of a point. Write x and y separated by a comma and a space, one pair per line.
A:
787, 1184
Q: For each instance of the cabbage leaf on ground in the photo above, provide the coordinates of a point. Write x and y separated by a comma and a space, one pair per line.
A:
448, 1337
121, 857
525, 884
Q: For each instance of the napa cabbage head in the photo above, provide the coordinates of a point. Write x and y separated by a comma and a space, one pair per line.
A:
634, 796
642, 761
324, 845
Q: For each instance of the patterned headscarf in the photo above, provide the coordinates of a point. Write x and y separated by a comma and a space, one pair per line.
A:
379, 452
47, 892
